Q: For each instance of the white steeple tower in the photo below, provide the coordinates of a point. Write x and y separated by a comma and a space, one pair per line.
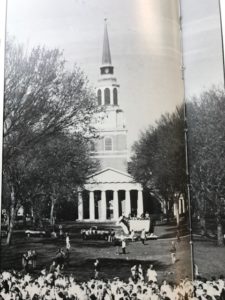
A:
111, 149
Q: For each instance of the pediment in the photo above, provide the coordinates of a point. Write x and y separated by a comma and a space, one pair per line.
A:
110, 175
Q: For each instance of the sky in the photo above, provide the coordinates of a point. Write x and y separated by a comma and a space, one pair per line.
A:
202, 45
144, 41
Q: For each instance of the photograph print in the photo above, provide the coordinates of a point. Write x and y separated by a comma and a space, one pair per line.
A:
95, 193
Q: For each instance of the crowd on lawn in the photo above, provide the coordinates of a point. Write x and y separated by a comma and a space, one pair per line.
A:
52, 284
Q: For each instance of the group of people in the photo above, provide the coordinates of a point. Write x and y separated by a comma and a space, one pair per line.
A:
29, 260
137, 274
54, 285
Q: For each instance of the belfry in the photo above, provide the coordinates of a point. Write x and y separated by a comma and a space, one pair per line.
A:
112, 192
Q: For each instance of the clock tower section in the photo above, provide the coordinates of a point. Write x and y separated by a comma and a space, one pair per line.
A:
111, 147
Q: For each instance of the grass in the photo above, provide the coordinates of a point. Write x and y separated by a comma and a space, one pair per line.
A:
209, 258
84, 253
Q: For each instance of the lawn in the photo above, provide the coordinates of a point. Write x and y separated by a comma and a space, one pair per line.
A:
83, 254
209, 258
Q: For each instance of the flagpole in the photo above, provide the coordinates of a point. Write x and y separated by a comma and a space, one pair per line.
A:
3, 15
222, 40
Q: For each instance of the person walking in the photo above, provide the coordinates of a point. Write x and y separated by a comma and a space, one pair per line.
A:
60, 231
68, 246
173, 252
34, 259
25, 261
96, 268
124, 245
143, 236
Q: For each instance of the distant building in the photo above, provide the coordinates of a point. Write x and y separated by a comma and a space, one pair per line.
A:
111, 192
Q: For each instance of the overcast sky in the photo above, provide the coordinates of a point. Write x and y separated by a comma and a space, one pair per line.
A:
144, 41
202, 45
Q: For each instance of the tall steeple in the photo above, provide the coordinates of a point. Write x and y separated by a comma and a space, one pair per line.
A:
111, 148
106, 55
106, 67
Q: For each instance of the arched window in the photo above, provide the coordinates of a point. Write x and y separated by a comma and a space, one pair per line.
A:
99, 97
108, 144
115, 96
107, 96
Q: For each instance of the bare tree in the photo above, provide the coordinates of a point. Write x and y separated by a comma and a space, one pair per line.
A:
42, 100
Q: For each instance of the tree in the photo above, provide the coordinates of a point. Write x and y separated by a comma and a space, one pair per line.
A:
42, 100
158, 161
206, 123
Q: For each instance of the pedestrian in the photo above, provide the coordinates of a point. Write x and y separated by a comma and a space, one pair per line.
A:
140, 273
123, 245
112, 234
52, 267
67, 242
34, 259
151, 274
60, 231
135, 273
96, 268
143, 236
25, 261
29, 261
173, 252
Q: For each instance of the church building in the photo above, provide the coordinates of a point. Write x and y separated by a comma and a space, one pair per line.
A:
111, 192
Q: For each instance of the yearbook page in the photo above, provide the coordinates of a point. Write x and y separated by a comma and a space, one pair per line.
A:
203, 56
95, 194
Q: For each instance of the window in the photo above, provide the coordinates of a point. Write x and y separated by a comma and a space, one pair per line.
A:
108, 144
107, 96
115, 96
99, 97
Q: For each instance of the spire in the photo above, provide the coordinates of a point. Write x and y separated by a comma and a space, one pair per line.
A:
106, 55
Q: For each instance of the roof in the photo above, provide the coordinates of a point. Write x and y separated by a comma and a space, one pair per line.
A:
106, 55
110, 175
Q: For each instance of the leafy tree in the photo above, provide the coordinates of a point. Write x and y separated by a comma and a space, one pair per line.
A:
206, 125
158, 161
42, 101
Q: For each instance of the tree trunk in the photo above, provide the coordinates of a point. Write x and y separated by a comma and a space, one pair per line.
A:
12, 216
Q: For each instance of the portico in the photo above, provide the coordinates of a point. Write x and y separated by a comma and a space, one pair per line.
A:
110, 192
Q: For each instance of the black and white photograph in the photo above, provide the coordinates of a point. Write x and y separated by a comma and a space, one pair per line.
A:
113, 183
203, 54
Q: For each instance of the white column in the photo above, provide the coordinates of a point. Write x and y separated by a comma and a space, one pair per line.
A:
175, 208
164, 206
80, 206
91, 205
180, 205
183, 204
127, 203
115, 205
140, 208
103, 206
